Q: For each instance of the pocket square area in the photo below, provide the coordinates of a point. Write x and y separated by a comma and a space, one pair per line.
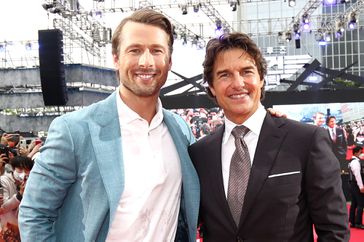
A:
284, 174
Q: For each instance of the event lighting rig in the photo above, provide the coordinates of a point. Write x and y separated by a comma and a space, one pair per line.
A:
337, 23
79, 26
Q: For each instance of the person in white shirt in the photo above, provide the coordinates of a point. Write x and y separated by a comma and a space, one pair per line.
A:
118, 170
356, 176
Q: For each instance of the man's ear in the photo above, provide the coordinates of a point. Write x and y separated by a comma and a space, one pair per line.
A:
116, 61
170, 63
212, 90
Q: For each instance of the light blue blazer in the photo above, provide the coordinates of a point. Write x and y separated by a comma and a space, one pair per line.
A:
78, 178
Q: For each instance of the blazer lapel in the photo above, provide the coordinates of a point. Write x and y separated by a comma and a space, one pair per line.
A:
106, 140
270, 139
189, 175
215, 169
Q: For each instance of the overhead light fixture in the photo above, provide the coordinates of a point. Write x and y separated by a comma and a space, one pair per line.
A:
234, 5
288, 36
218, 23
305, 22
28, 46
196, 7
47, 6
291, 3
328, 36
184, 9
352, 21
184, 38
339, 28
329, 2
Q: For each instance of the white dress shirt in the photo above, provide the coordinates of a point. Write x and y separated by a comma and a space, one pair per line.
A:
254, 123
354, 166
149, 206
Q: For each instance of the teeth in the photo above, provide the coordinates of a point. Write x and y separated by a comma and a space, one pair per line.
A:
238, 95
145, 76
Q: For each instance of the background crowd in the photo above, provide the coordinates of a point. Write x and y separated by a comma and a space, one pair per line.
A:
17, 156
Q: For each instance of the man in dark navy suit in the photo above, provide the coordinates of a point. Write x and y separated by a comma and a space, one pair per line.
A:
278, 179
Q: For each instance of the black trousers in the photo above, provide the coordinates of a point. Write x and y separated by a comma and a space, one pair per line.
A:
357, 204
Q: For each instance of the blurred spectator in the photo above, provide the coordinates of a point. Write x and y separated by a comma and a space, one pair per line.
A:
202, 121
356, 171
13, 184
338, 138
319, 119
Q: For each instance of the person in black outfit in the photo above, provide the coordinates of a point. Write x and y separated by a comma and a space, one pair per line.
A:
356, 172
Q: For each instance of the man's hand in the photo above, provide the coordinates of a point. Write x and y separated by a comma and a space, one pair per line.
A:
276, 113
362, 190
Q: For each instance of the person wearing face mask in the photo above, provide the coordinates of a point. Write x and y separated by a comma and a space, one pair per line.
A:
13, 184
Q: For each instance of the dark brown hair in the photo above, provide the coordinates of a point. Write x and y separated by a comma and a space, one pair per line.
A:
232, 41
144, 16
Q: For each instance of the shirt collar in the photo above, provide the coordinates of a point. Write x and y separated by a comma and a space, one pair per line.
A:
254, 123
127, 115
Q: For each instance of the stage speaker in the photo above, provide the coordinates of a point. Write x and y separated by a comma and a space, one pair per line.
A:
298, 43
51, 66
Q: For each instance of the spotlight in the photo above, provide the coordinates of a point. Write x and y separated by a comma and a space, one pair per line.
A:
97, 14
175, 35
184, 9
328, 36
184, 38
218, 24
329, 2
47, 6
291, 3
234, 5
196, 7
322, 42
339, 33
305, 22
352, 20
339, 28
305, 18
288, 36
296, 29
28, 46
195, 40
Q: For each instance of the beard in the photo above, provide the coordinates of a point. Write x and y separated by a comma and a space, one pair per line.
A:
142, 91
143, 88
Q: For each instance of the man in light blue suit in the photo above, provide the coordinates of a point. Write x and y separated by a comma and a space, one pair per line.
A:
119, 169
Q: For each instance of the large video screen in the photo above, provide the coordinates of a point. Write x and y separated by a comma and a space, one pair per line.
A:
349, 116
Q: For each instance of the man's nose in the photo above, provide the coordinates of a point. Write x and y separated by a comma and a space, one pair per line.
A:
146, 59
238, 80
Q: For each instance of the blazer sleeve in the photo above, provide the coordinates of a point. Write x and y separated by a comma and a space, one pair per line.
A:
52, 174
325, 197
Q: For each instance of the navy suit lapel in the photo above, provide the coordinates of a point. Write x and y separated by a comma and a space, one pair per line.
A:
215, 169
106, 140
269, 142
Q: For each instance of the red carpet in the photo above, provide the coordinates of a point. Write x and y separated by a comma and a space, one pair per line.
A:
356, 235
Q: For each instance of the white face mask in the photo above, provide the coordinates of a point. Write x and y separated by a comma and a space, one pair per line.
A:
19, 176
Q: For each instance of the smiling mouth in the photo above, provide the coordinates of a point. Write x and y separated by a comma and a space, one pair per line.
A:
238, 96
145, 76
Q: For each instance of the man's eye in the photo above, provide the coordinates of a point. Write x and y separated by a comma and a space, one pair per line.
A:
223, 75
157, 51
134, 50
